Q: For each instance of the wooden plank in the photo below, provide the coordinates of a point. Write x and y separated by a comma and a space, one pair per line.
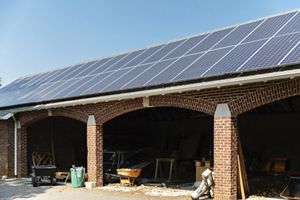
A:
243, 167
241, 178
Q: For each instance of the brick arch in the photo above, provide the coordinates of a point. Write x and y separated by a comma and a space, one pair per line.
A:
264, 96
30, 118
156, 101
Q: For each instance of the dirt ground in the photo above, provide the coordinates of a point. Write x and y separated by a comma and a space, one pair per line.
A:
22, 189
15, 189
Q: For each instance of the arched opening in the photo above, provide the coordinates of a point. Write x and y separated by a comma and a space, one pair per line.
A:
64, 139
158, 134
270, 139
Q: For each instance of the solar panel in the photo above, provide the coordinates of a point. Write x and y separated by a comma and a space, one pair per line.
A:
89, 82
186, 46
238, 34
202, 64
125, 60
293, 56
35, 80
173, 69
272, 52
234, 59
98, 87
292, 26
269, 27
110, 63
80, 82
117, 84
149, 73
142, 57
78, 71
210, 41
260, 44
56, 88
163, 51
64, 73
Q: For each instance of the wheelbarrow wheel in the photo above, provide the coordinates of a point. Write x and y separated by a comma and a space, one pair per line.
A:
34, 181
53, 181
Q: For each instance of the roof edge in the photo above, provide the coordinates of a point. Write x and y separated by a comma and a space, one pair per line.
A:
166, 90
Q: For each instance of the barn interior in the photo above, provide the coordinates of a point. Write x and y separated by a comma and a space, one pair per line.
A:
57, 140
270, 141
153, 138
141, 138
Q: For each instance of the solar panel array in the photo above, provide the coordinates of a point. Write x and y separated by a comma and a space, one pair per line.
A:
256, 45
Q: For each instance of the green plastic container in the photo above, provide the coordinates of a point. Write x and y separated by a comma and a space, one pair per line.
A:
77, 176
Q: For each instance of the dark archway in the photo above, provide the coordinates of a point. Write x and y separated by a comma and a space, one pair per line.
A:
159, 132
270, 139
64, 138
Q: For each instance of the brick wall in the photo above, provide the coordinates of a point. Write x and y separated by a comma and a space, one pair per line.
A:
239, 98
4, 145
6, 148
225, 157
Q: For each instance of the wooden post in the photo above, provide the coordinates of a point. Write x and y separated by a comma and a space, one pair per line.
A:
241, 178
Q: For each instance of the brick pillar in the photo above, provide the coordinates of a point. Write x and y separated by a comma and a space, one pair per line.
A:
95, 152
225, 153
22, 151
4, 148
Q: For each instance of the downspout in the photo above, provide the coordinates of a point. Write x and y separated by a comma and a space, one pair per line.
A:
15, 146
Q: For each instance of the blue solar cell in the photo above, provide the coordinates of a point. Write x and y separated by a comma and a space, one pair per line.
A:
17, 84
235, 58
7, 98
126, 78
95, 68
149, 73
210, 41
143, 56
64, 72
106, 81
125, 60
46, 77
34, 93
49, 87
172, 70
12, 97
83, 87
68, 89
109, 63
163, 51
78, 71
202, 65
293, 56
31, 80
186, 46
273, 52
238, 34
56, 88
269, 27
40, 79
292, 26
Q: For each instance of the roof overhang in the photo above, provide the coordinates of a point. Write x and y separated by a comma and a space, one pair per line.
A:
5, 115
166, 90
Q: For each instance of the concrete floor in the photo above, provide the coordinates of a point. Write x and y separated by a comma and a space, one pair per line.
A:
22, 189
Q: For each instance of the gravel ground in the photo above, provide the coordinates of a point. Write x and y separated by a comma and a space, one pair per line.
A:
22, 189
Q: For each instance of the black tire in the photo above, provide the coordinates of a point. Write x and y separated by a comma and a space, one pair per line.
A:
34, 181
53, 181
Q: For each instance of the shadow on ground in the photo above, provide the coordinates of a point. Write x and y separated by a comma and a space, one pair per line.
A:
20, 188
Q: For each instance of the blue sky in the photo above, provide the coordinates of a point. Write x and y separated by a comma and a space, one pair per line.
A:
38, 35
